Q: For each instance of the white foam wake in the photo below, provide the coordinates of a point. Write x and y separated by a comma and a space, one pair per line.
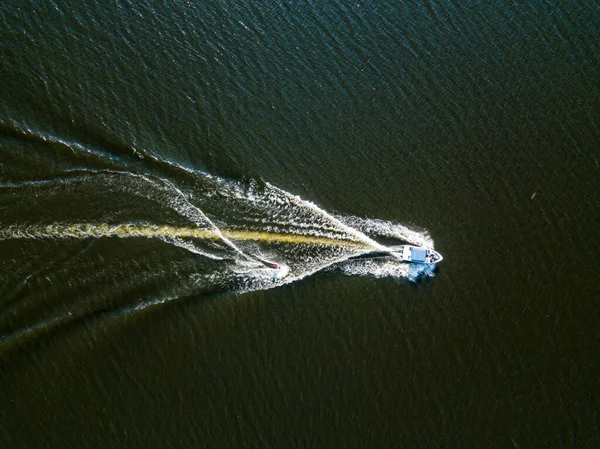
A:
375, 228
385, 268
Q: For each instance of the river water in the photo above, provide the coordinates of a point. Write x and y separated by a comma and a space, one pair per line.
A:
157, 158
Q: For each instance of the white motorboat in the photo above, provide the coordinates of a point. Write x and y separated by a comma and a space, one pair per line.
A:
405, 253
416, 254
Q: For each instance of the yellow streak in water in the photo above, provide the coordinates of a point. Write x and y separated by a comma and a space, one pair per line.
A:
83, 230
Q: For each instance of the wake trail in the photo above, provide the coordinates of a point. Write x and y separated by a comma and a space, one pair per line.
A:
86, 230
80, 238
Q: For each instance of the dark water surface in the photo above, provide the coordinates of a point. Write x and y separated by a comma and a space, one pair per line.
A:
472, 126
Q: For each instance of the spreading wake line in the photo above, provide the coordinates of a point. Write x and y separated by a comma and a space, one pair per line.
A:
86, 230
